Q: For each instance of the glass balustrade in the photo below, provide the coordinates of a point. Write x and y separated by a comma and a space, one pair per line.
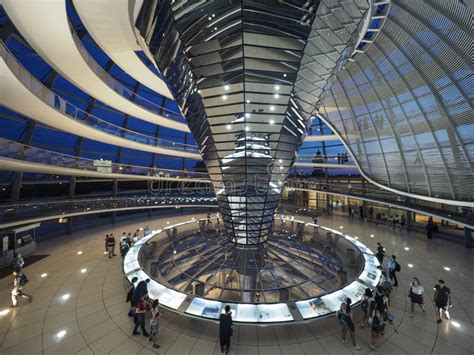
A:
14, 150
60, 104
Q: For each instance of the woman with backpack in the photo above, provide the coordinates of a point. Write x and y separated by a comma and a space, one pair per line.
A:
346, 321
416, 295
366, 305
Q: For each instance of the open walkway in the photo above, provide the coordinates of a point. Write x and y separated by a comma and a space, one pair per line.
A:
94, 315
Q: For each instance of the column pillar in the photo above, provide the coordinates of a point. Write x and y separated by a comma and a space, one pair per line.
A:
114, 195
467, 237
409, 220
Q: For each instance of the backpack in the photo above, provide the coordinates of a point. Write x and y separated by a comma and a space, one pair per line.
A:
365, 305
387, 285
23, 280
398, 268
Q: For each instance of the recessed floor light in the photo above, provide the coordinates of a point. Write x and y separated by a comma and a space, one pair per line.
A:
79, 252
455, 324
4, 312
371, 236
410, 265
356, 237
66, 296
44, 275
407, 248
83, 271
167, 222
61, 333
447, 268
341, 227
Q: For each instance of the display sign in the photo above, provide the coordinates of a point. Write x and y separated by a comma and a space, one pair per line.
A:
103, 166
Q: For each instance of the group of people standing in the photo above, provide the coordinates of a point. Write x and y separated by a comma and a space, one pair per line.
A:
141, 306
376, 305
126, 242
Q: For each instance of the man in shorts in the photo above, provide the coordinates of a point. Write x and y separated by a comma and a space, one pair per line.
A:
442, 299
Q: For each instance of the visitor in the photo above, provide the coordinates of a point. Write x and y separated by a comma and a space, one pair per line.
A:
123, 237
218, 217
416, 295
366, 306
361, 211
282, 218
111, 245
140, 312
136, 236
141, 290
19, 281
386, 284
18, 262
395, 222
378, 327
338, 158
225, 329
124, 248
371, 213
430, 228
378, 217
345, 319
393, 268
131, 289
316, 225
146, 231
209, 222
381, 302
442, 299
106, 244
154, 323
380, 253
130, 239
292, 218
403, 221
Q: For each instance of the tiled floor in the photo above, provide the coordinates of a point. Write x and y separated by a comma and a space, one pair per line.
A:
94, 317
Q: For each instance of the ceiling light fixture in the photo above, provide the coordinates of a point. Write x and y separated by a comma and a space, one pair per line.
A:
272, 122
272, 108
226, 87
229, 126
277, 87
276, 96
224, 97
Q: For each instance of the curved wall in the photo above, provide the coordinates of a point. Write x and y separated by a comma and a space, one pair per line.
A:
404, 106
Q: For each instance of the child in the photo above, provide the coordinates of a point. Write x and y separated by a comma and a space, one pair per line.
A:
154, 322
